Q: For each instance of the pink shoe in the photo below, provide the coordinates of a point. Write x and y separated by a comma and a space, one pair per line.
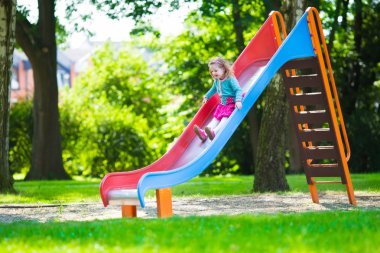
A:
210, 133
200, 133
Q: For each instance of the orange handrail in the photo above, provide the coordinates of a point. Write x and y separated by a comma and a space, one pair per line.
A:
326, 57
275, 14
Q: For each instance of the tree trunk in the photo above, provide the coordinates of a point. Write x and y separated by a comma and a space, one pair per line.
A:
38, 42
240, 45
238, 26
273, 5
253, 133
358, 28
7, 41
344, 14
311, 3
334, 27
293, 12
46, 147
351, 90
270, 170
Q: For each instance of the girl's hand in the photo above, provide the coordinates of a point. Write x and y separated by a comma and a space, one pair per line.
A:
238, 105
204, 100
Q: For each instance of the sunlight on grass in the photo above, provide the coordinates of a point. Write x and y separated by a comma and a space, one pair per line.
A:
87, 190
242, 233
55, 191
307, 232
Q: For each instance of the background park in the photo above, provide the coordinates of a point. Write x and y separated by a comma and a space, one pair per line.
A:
128, 107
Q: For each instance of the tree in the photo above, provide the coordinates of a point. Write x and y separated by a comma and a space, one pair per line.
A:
270, 170
185, 59
38, 41
292, 12
114, 118
215, 29
7, 40
355, 59
334, 27
241, 18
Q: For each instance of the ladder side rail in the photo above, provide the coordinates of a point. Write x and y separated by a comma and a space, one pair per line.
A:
313, 16
332, 85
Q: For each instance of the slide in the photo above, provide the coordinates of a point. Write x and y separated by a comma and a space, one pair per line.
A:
188, 157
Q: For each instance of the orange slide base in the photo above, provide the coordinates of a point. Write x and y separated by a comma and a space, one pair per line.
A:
164, 205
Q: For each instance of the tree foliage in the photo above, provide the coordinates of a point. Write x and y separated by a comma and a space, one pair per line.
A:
185, 60
126, 111
39, 42
112, 118
355, 57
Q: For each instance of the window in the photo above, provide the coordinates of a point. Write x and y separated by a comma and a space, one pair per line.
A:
14, 83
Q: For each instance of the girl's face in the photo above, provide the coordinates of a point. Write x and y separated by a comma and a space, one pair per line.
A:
217, 72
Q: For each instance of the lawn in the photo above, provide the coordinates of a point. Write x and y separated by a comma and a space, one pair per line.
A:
357, 230
354, 231
88, 190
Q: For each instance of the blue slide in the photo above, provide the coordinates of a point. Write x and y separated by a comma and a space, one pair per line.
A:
297, 45
188, 157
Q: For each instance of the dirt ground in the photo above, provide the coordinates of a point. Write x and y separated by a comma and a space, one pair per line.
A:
193, 206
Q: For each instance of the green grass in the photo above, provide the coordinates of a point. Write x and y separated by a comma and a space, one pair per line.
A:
339, 231
53, 192
88, 190
236, 185
354, 231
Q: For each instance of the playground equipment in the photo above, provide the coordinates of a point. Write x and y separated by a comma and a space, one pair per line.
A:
318, 119
315, 109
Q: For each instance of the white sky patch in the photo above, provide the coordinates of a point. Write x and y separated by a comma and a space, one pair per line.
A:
104, 28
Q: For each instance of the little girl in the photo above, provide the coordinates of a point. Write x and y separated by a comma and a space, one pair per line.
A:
230, 93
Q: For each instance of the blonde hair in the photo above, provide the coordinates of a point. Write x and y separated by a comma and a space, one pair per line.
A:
222, 63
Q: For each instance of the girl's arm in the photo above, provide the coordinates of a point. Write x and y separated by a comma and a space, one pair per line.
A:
237, 89
212, 91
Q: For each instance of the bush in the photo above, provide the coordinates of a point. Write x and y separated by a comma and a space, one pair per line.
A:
105, 141
20, 136
112, 119
364, 137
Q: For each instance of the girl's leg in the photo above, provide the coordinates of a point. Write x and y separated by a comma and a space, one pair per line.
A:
202, 134
211, 131
214, 122
220, 125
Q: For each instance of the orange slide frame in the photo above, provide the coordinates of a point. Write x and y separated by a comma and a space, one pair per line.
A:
320, 49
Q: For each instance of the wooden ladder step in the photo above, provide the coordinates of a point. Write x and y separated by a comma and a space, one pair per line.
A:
328, 182
322, 165
313, 98
316, 134
303, 81
323, 171
302, 64
320, 152
312, 117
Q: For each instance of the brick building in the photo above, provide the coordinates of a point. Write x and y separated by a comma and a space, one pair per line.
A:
69, 64
22, 86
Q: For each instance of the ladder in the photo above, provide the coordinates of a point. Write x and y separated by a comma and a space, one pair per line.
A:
317, 117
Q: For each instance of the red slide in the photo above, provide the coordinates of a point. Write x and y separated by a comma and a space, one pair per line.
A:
250, 62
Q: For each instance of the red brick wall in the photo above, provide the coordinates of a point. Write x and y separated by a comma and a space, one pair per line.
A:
26, 84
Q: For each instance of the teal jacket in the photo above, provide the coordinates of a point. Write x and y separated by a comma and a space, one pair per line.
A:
229, 87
